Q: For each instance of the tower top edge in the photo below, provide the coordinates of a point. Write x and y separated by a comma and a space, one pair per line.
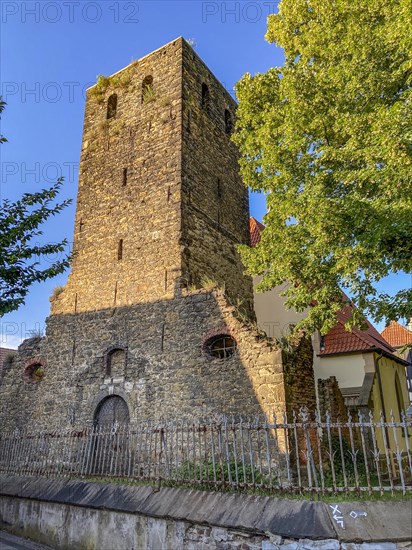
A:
179, 38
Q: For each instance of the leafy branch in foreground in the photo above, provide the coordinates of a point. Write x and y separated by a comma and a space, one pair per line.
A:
328, 138
20, 259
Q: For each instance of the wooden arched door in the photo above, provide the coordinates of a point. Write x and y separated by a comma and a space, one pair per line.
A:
110, 441
112, 411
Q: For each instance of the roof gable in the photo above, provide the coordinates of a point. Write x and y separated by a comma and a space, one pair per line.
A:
339, 340
397, 335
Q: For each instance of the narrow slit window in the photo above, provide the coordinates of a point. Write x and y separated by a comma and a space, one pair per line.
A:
120, 250
228, 122
322, 343
147, 89
124, 180
111, 106
205, 97
219, 188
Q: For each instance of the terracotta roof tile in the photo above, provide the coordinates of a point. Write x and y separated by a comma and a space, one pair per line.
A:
397, 335
339, 340
255, 229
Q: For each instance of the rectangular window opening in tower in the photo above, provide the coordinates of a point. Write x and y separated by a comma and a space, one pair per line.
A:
219, 189
120, 250
124, 181
205, 97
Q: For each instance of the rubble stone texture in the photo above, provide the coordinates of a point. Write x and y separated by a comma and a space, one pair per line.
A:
160, 211
331, 399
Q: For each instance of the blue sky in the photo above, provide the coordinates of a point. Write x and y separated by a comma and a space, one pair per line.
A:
52, 51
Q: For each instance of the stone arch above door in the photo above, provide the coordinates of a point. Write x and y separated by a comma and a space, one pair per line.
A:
111, 410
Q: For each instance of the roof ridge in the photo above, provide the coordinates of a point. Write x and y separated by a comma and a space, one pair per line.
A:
397, 324
396, 334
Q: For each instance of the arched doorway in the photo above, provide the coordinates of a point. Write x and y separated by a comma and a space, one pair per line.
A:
110, 440
112, 411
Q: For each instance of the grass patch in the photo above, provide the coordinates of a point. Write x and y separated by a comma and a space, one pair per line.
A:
148, 94
209, 284
121, 80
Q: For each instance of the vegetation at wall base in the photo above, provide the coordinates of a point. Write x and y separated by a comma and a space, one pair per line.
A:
295, 494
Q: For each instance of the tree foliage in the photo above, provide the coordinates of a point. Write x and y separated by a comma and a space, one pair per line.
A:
328, 137
22, 262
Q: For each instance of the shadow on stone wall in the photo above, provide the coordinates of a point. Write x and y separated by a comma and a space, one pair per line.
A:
167, 371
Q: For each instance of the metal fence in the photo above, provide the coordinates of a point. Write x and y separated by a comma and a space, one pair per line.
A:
259, 455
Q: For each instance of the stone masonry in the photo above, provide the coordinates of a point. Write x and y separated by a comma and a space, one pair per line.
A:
166, 372
331, 399
181, 208
160, 211
69, 514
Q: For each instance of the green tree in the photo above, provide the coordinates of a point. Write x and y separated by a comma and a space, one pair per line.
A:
328, 137
20, 259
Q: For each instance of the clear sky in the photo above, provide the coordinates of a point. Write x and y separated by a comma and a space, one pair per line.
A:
51, 51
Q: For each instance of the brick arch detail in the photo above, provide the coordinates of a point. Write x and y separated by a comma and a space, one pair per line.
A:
36, 360
222, 330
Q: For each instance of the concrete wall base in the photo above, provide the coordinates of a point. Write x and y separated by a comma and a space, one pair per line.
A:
69, 515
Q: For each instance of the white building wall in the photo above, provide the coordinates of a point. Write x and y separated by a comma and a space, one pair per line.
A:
271, 313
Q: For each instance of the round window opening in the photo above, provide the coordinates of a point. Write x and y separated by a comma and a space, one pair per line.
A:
34, 373
221, 347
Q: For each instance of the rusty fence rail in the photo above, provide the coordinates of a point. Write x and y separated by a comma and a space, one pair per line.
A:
226, 453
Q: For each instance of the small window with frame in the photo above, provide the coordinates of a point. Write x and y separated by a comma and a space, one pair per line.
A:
222, 346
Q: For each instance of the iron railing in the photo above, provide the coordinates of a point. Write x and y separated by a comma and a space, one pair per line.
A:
225, 453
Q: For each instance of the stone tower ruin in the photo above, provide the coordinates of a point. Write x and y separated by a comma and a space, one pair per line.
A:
160, 204
156, 318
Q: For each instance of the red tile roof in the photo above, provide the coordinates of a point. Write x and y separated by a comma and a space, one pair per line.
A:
339, 340
397, 335
255, 229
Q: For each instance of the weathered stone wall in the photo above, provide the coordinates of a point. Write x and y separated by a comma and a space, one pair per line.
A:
182, 207
299, 377
73, 514
215, 204
145, 213
6, 360
300, 391
331, 399
167, 371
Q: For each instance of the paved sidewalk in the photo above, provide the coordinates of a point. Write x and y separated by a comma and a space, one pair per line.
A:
11, 542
